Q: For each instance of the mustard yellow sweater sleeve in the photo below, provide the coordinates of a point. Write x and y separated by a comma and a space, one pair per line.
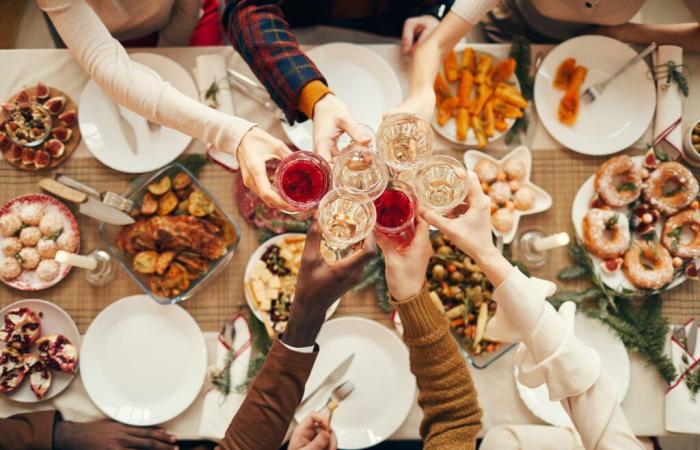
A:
446, 394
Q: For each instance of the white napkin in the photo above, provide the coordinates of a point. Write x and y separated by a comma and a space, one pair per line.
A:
669, 104
682, 412
210, 69
219, 409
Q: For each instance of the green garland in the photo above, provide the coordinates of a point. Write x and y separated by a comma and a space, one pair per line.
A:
261, 344
521, 52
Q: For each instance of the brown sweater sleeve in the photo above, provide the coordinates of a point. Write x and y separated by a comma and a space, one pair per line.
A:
263, 419
32, 431
446, 394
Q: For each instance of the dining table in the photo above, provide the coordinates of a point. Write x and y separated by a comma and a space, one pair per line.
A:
556, 169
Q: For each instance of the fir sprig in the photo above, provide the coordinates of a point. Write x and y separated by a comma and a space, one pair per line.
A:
261, 345
521, 52
675, 75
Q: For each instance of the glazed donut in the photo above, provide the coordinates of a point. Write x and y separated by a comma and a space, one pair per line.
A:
606, 233
673, 228
670, 201
648, 265
618, 181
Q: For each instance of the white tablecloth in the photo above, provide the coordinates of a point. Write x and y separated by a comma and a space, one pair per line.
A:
644, 404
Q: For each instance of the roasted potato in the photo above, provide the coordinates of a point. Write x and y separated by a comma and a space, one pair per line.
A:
149, 204
173, 277
164, 260
160, 187
145, 262
181, 181
182, 207
184, 193
199, 204
167, 204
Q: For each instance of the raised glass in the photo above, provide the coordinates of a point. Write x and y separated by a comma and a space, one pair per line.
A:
404, 141
302, 179
360, 170
440, 183
396, 213
346, 218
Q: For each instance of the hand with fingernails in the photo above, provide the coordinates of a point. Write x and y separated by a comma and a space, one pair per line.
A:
109, 435
416, 30
331, 119
313, 433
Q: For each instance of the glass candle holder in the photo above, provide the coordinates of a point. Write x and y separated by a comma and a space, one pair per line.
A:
404, 141
396, 213
302, 179
440, 183
346, 218
360, 170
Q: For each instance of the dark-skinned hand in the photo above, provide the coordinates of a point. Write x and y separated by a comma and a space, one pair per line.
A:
109, 435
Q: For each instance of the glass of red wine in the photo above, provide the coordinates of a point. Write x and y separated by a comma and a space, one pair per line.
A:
302, 179
396, 213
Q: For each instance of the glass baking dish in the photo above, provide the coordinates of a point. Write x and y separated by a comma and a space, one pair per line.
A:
108, 236
483, 360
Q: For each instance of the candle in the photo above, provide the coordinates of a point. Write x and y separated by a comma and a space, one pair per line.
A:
85, 262
550, 242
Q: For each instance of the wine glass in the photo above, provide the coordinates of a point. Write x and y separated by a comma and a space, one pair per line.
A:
345, 140
441, 183
360, 170
302, 179
404, 141
346, 218
396, 213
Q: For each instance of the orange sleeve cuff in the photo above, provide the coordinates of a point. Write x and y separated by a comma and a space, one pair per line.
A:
310, 94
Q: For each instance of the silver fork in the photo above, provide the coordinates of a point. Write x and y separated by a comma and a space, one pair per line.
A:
339, 394
595, 90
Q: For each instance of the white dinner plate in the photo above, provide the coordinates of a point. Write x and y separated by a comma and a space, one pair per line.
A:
257, 254
102, 132
615, 364
385, 389
580, 207
54, 320
364, 81
143, 363
618, 117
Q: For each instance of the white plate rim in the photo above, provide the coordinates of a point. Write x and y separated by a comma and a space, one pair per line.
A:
145, 300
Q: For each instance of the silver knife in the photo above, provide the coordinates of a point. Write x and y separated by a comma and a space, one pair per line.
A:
331, 379
693, 337
75, 184
87, 204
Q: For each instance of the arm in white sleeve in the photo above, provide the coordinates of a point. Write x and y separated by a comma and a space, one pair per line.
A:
473, 10
106, 61
552, 354
183, 21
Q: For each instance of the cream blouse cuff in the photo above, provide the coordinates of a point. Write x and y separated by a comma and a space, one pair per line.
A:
473, 10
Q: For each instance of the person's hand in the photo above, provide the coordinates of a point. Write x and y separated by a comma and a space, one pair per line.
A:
420, 103
470, 232
416, 30
312, 434
109, 435
331, 119
257, 147
405, 268
319, 285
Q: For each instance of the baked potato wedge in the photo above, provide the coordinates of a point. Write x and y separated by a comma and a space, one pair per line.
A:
181, 181
149, 205
199, 204
167, 203
145, 262
161, 186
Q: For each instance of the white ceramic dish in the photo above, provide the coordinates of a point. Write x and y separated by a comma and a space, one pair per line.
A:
581, 205
614, 121
102, 133
543, 201
54, 320
143, 363
364, 81
449, 130
385, 389
615, 364
257, 254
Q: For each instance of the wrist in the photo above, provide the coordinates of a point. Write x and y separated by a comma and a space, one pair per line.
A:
61, 435
303, 326
405, 292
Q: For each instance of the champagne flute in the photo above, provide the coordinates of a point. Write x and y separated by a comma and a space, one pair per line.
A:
396, 213
404, 141
302, 179
346, 218
360, 170
441, 183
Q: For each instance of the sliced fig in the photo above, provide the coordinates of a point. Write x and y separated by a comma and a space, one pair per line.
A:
55, 148
611, 265
22, 97
42, 91
691, 271
650, 161
69, 118
63, 134
55, 104
42, 159
28, 156
4, 141
36, 133
14, 154
9, 107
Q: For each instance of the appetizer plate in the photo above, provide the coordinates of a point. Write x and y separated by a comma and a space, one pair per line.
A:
102, 129
143, 363
615, 364
28, 280
360, 78
618, 117
385, 389
543, 201
54, 320
449, 130
580, 207
257, 254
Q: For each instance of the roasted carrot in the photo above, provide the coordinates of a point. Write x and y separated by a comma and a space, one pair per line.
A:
577, 78
462, 124
482, 68
441, 88
510, 95
488, 120
503, 71
450, 66
446, 110
478, 130
561, 78
468, 61
568, 108
483, 93
464, 90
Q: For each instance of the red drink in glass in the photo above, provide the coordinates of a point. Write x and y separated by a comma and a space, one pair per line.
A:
396, 213
302, 179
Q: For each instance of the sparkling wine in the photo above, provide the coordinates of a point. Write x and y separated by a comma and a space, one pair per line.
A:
441, 183
345, 217
302, 179
396, 211
360, 170
405, 141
